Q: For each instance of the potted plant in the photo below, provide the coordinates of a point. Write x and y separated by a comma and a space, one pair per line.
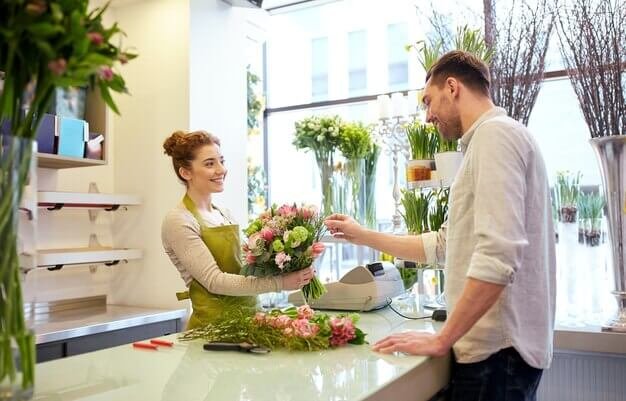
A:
44, 45
416, 204
594, 61
567, 190
595, 204
583, 218
321, 135
355, 142
424, 142
448, 161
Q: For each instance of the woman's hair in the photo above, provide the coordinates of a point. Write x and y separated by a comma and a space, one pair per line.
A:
182, 147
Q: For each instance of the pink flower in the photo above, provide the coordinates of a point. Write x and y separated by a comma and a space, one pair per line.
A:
288, 331
308, 211
36, 7
305, 312
265, 216
279, 322
287, 211
342, 331
317, 249
267, 234
96, 38
281, 259
259, 318
57, 66
305, 329
255, 242
250, 258
106, 73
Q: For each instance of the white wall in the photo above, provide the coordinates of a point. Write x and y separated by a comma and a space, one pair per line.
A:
218, 100
158, 104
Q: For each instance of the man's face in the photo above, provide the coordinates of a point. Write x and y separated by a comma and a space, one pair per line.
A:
441, 108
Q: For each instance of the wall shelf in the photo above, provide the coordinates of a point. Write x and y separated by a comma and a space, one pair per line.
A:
46, 160
55, 259
58, 200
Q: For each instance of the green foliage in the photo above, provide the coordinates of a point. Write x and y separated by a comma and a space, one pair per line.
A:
255, 105
466, 39
50, 44
438, 213
237, 326
423, 140
567, 189
416, 204
371, 160
322, 135
355, 140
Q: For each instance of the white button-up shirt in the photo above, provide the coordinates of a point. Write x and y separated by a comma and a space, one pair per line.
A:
500, 230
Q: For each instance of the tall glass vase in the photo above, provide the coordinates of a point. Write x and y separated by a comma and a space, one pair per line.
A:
326, 169
355, 180
611, 154
17, 345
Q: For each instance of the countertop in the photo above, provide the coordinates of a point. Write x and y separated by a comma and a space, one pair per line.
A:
80, 322
187, 372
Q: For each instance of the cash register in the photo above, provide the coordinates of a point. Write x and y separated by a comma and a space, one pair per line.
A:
363, 288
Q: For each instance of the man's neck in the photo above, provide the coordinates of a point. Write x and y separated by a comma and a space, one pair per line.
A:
478, 107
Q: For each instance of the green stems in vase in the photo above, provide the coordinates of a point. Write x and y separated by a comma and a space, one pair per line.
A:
567, 190
423, 140
416, 205
371, 160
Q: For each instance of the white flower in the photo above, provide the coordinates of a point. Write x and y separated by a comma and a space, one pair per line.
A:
320, 138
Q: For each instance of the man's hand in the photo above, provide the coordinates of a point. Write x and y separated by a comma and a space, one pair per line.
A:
345, 227
414, 343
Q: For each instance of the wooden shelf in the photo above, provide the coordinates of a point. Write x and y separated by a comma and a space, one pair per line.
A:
46, 160
56, 258
85, 200
424, 184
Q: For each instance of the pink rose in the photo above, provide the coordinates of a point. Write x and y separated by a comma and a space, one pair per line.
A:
250, 258
308, 211
288, 331
267, 234
287, 211
255, 242
305, 329
279, 322
342, 331
305, 312
317, 249
106, 73
96, 38
282, 258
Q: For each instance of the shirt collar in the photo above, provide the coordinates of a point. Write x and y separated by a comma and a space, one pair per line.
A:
467, 136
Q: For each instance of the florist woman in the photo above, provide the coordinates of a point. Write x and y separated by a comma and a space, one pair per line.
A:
202, 240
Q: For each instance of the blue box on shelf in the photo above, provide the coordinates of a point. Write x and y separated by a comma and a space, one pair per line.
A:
46, 133
73, 134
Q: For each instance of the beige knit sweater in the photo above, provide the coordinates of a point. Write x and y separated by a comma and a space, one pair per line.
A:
180, 233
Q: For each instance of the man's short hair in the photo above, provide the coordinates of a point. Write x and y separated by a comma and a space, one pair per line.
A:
464, 66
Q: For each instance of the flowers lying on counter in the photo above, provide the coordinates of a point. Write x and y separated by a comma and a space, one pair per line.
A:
282, 240
294, 329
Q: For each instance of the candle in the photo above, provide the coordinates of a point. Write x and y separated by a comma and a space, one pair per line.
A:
384, 106
412, 102
399, 104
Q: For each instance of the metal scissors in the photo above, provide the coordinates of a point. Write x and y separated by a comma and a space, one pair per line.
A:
241, 347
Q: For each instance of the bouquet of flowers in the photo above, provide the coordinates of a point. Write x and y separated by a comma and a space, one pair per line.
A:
282, 240
295, 329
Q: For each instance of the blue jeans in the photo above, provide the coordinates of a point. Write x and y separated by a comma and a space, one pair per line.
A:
504, 376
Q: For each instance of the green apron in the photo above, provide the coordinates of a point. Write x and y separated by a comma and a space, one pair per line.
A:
223, 243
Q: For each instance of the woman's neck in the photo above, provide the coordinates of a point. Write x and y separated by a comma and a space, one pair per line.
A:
201, 200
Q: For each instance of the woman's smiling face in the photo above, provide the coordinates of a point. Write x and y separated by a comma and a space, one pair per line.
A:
207, 171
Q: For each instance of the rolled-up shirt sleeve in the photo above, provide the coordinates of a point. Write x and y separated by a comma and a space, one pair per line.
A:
435, 245
499, 180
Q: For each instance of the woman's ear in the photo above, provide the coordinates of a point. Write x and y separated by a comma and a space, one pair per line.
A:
185, 173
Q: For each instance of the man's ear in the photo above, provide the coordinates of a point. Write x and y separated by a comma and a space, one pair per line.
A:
452, 86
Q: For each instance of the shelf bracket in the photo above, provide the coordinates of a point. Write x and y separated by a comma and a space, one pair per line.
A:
93, 188
57, 206
111, 263
112, 208
57, 267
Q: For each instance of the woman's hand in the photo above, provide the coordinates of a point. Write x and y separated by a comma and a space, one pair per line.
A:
342, 226
297, 280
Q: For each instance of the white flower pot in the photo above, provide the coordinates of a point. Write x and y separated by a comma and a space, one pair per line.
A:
448, 164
